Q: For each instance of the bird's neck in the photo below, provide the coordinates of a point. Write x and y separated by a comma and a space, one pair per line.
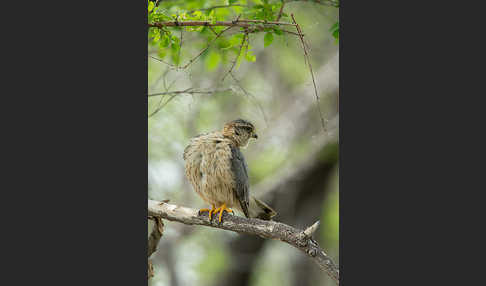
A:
228, 134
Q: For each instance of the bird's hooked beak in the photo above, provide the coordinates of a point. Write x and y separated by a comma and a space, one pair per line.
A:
254, 136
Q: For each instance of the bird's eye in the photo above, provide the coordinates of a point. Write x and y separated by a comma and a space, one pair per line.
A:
247, 128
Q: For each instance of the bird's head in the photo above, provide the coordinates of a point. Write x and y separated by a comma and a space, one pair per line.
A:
240, 131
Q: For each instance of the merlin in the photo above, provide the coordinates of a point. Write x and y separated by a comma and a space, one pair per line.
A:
218, 172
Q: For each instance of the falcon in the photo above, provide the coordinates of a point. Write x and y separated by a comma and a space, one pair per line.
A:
218, 173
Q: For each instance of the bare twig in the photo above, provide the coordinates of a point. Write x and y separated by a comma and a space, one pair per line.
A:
211, 28
180, 49
156, 234
281, 11
306, 56
189, 91
173, 94
265, 229
218, 7
237, 56
160, 106
290, 32
162, 61
250, 96
322, 2
267, 22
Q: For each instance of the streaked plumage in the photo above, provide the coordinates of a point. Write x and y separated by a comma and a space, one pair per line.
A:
218, 172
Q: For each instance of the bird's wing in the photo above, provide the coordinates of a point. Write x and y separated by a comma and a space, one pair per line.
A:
240, 176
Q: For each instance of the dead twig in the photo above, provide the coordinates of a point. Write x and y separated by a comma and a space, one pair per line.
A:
322, 2
218, 7
237, 56
307, 59
153, 241
281, 11
251, 96
189, 91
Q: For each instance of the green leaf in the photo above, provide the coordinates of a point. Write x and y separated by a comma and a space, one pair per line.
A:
197, 14
334, 27
156, 35
232, 1
213, 60
151, 6
335, 30
250, 57
336, 34
164, 41
268, 39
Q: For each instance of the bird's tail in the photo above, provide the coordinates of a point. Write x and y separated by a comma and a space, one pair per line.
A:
261, 210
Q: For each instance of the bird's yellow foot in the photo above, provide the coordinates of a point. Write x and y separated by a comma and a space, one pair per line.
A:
211, 211
221, 209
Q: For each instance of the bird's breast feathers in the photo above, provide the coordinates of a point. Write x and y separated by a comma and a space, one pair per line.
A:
208, 167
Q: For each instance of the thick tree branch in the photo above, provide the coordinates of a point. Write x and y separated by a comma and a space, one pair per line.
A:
267, 229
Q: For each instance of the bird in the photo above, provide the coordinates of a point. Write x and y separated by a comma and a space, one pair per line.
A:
218, 172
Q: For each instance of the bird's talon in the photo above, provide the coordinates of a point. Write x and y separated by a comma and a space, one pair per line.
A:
221, 210
211, 211
203, 210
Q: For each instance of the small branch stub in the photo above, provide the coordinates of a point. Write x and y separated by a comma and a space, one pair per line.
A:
308, 232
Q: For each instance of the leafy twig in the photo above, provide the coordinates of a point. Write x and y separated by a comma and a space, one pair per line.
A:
236, 23
206, 48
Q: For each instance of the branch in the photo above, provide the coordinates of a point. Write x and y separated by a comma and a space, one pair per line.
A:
322, 2
306, 56
217, 7
281, 11
189, 91
153, 241
236, 23
238, 55
302, 240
